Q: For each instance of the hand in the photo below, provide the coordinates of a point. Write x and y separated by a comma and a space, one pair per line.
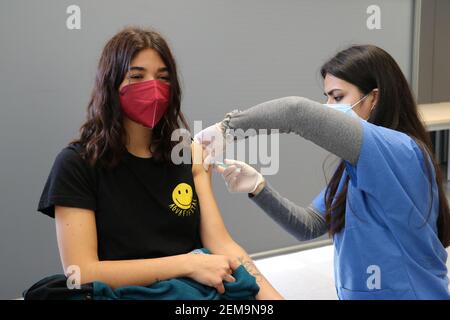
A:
239, 176
213, 143
212, 269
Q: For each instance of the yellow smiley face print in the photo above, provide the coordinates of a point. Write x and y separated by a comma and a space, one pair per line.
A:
184, 201
182, 196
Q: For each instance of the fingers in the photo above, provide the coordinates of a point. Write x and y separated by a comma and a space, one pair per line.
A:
234, 263
233, 162
232, 185
226, 277
233, 174
228, 265
220, 288
210, 155
206, 134
198, 139
218, 169
232, 180
229, 278
228, 171
202, 139
208, 161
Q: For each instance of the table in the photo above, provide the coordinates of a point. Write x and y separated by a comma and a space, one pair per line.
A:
436, 117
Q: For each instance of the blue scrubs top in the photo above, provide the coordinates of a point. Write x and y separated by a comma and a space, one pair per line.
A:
389, 248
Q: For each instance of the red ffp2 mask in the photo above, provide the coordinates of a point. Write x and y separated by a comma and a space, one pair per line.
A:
145, 102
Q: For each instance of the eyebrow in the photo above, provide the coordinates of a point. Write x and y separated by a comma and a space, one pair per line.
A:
138, 68
329, 93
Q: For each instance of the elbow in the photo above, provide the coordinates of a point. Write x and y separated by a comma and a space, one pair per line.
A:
215, 239
222, 245
302, 232
98, 271
307, 236
81, 274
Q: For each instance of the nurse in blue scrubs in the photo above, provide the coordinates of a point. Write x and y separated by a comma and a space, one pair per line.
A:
385, 206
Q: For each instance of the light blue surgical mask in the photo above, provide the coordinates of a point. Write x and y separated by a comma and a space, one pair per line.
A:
346, 107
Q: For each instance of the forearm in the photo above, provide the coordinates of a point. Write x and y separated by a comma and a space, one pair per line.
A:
303, 223
140, 272
232, 249
328, 128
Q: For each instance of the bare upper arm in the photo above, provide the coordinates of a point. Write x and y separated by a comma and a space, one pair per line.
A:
76, 235
212, 228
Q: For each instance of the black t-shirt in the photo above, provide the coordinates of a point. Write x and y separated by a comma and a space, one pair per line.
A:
143, 208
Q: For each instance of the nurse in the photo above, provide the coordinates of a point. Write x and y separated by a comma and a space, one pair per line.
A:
385, 206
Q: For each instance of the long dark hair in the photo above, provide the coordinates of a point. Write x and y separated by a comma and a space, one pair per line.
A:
103, 136
369, 67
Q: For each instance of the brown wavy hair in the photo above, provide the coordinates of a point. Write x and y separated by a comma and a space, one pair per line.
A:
369, 67
102, 136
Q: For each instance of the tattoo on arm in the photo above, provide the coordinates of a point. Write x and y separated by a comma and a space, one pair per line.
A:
251, 268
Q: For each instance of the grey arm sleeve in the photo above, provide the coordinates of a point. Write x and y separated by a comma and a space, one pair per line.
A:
330, 129
303, 223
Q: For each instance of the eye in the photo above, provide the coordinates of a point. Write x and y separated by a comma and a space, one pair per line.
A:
136, 76
337, 99
186, 190
179, 192
165, 78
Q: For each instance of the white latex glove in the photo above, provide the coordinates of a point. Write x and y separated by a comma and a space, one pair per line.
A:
213, 142
239, 176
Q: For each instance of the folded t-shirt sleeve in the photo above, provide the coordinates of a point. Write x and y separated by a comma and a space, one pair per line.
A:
71, 183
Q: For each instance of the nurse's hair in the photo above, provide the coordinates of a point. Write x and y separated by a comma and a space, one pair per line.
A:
103, 136
369, 67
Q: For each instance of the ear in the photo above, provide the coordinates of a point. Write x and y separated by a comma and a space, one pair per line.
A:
374, 100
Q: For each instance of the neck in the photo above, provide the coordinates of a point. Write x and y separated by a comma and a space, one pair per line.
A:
139, 138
